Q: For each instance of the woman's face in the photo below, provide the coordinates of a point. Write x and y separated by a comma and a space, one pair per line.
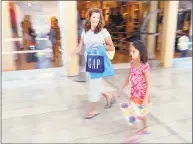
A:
95, 18
134, 53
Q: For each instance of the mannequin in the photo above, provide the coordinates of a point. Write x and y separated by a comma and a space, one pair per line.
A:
55, 39
25, 26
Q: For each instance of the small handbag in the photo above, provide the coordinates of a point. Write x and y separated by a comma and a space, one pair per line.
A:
110, 54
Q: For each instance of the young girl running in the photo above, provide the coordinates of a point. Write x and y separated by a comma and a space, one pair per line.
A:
139, 76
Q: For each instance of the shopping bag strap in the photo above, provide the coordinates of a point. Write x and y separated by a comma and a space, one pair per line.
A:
93, 46
92, 49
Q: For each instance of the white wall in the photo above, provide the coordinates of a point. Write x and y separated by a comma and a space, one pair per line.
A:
7, 46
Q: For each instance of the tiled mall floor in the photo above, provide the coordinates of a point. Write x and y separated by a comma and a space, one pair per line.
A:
46, 106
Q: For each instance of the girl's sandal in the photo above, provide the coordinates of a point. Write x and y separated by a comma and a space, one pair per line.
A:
131, 140
143, 131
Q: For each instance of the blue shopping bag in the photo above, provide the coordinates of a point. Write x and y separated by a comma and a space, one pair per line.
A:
94, 62
108, 67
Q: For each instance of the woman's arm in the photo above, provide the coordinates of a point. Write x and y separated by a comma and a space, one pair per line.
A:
79, 48
109, 44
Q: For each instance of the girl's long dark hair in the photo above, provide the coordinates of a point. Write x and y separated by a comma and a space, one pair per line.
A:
140, 46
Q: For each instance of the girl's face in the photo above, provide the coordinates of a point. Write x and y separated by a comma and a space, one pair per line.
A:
95, 18
134, 53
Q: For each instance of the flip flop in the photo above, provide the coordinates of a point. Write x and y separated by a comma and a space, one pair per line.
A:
131, 140
142, 131
112, 101
90, 116
145, 132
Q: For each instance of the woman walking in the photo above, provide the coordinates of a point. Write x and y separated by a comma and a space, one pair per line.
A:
95, 34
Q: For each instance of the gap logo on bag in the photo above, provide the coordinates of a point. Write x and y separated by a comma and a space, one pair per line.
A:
95, 63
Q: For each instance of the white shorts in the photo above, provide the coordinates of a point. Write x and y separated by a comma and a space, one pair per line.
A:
95, 89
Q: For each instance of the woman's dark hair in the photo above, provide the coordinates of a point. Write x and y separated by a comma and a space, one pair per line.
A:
140, 46
101, 23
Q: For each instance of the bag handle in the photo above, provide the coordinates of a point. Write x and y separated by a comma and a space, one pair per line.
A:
104, 43
92, 46
92, 49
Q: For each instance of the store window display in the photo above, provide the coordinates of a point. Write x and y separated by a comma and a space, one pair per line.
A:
183, 36
183, 30
29, 39
29, 25
183, 44
25, 24
184, 17
82, 20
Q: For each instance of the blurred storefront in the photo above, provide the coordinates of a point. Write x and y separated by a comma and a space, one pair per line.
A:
37, 30
167, 22
30, 23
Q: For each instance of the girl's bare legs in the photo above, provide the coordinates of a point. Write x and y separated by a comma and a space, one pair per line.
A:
135, 126
144, 120
134, 138
145, 125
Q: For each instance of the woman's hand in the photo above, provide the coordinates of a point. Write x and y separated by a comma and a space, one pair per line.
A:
76, 52
78, 49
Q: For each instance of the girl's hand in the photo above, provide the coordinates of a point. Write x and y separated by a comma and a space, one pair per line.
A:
118, 93
146, 101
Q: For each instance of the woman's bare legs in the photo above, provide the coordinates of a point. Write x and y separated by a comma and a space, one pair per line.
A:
93, 111
93, 107
109, 99
94, 95
106, 96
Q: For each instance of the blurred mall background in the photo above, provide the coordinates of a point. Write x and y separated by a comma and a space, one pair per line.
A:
28, 27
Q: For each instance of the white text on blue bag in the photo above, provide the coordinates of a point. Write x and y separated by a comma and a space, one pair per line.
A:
94, 63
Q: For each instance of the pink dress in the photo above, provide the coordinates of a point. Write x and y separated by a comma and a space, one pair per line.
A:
138, 82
